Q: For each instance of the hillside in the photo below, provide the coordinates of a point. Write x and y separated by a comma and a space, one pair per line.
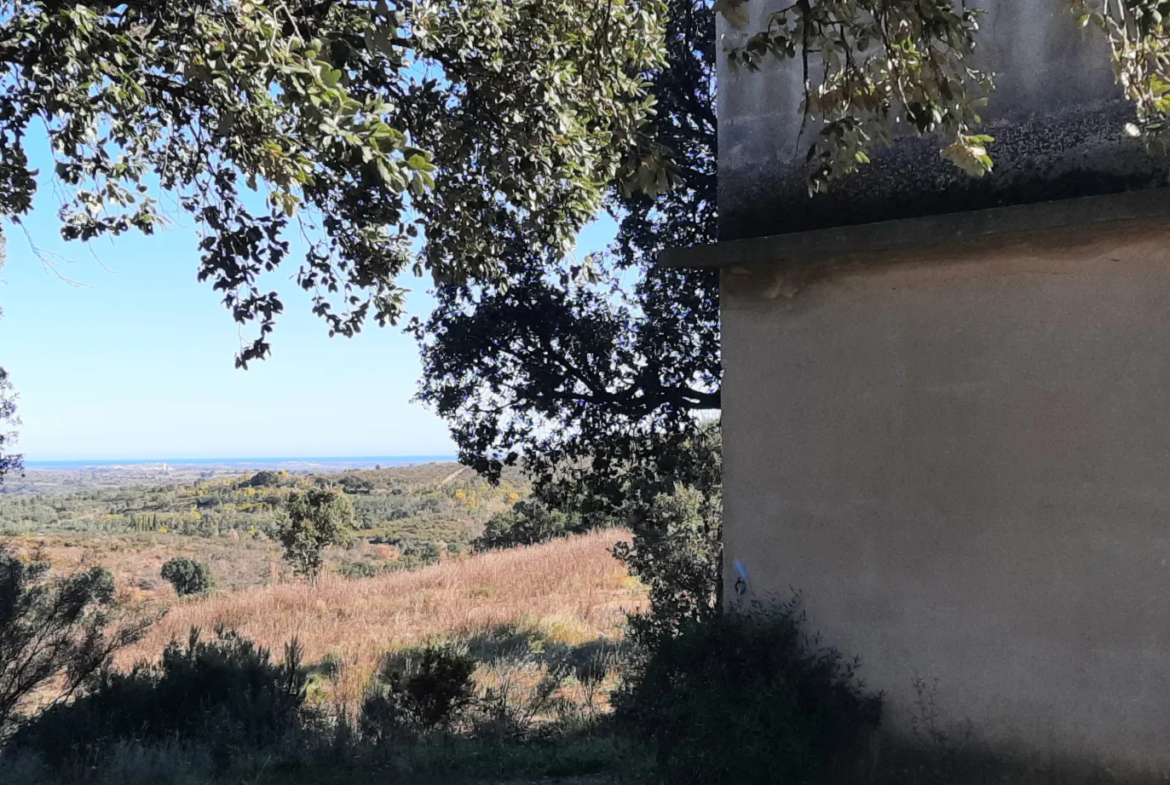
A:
541, 625
406, 516
568, 593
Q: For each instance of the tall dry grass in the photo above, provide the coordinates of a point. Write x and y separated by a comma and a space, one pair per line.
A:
135, 558
571, 591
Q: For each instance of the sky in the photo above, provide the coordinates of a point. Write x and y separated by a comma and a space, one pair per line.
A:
120, 354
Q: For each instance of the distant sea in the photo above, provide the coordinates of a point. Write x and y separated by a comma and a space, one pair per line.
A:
358, 462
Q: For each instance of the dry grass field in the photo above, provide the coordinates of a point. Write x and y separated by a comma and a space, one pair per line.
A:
566, 592
529, 617
135, 559
563, 593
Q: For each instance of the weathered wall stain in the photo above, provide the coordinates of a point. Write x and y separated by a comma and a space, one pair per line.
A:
1057, 116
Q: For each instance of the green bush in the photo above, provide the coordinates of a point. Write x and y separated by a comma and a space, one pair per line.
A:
266, 479
187, 576
748, 698
355, 485
416, 553
225, 694
418, 691
356, 570
676, 553
528, 522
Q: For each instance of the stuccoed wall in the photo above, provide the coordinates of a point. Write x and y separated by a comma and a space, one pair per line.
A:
1057, 117
963, 463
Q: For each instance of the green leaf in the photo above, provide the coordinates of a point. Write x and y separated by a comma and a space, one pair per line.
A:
419, 162
384, 171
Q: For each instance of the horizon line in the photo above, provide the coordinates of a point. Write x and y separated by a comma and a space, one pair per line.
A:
33, 462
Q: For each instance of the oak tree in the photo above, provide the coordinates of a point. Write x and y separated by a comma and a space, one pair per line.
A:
601, 376
588, 367
390, 134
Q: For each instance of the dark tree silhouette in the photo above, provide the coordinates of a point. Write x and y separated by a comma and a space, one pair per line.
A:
583, 370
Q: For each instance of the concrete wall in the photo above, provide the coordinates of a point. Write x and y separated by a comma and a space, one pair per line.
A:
1057, 117
964, 466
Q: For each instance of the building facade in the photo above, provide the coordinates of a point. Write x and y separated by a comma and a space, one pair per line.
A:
947, 400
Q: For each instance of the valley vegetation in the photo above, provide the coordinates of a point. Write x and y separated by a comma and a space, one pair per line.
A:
416, 512
528, 644
191, 573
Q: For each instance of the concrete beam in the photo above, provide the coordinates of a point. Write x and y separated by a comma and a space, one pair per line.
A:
1062, 222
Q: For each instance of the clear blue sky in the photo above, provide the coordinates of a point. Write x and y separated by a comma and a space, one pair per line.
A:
137, 363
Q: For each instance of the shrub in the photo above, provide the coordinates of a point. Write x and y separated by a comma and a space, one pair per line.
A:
527, 670
527, 523
187, 576
355, 485
355, 570
676, 552
418, 691
419, 553
526, 693
670, 496
54, 627
748, 697
264, 479
412, 553
225, 693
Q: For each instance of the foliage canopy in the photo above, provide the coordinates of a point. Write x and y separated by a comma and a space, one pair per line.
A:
467, 139
586, 365
386, 134
313, 521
